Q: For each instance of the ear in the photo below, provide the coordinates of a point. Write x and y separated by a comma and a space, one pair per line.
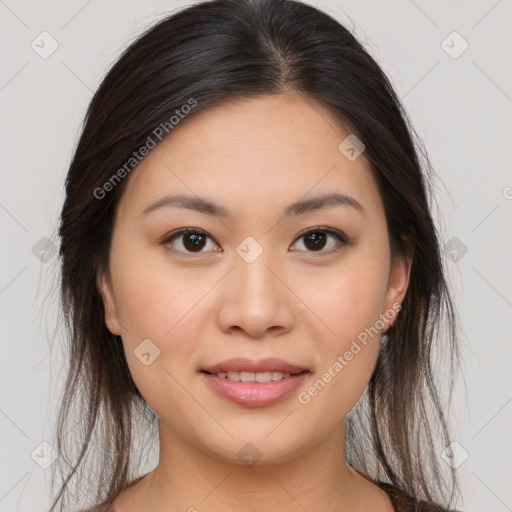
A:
111, 319
398, 281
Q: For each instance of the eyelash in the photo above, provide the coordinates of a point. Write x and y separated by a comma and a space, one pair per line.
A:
341, 237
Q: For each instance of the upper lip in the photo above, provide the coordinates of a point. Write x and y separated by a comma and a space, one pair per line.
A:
241, 364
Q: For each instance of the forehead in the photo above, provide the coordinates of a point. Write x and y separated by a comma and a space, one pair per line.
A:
251, 155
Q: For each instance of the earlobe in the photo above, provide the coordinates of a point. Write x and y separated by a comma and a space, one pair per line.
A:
111, 318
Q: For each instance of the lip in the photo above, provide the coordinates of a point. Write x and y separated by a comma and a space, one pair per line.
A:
241, 364
254, 394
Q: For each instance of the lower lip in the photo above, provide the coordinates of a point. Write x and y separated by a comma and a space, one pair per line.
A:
254, 394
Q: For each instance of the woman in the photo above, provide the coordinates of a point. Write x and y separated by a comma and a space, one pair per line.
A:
250, 265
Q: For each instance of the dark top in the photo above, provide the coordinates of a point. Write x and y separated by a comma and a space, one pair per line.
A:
401, 502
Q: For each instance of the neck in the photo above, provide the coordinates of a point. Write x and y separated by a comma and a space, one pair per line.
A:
187, 478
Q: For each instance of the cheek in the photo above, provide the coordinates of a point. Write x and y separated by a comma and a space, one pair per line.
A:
153, 297
348, 302
346, 357
156, 303
154, 309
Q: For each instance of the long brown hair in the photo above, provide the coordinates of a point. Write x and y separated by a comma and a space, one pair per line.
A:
212, 52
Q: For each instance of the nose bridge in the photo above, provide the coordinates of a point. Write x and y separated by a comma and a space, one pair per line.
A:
253, 274
255, 300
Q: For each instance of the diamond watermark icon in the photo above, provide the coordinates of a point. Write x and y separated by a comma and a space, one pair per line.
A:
455, 249
44, 249
454, 455
351, 147
44, 455
146, 352
249, 454
249, 250
44, 45
454, 45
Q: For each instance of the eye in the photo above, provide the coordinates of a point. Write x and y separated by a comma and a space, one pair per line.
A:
316, 239
191, 240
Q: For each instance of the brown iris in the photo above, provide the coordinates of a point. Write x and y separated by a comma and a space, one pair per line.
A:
193, 241
315, 240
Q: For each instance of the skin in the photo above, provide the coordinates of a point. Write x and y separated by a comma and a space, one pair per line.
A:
254, 158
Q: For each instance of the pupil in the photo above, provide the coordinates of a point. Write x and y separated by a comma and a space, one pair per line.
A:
316, 239
197, 241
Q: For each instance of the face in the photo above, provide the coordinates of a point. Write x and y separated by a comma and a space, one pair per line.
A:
314, 285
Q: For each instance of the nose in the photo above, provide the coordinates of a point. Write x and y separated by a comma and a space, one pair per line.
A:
255, 299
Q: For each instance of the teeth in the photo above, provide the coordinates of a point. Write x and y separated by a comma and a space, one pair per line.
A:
260, 377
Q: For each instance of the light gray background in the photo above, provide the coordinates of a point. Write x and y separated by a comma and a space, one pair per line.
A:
461, 108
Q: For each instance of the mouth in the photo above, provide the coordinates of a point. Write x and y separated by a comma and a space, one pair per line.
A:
252, 384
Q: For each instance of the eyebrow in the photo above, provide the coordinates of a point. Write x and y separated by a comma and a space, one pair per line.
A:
300, 207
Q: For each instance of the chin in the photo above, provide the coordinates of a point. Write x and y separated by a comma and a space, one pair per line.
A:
250, 447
